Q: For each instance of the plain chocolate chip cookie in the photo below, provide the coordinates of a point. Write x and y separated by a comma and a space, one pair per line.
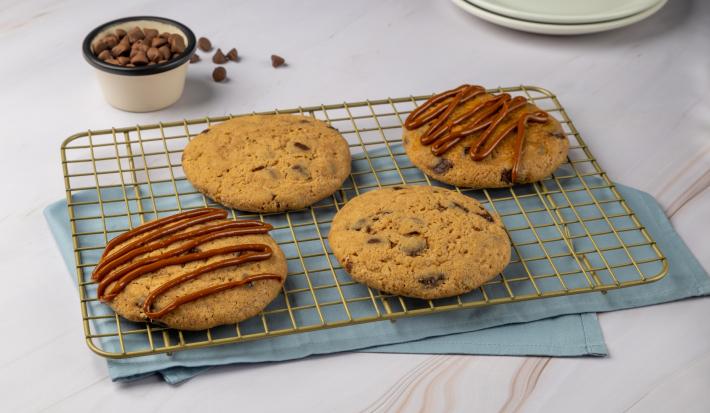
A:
419, 241
267, 163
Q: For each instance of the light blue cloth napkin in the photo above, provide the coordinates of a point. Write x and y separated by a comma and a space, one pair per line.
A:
489, 330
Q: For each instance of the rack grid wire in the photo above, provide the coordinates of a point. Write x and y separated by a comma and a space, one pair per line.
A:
570, 233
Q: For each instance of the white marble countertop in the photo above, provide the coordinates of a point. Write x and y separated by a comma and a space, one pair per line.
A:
638, 95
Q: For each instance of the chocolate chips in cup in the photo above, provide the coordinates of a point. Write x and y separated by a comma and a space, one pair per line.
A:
138, 47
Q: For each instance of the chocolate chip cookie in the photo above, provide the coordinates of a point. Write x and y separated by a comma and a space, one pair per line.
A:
419, 241
191, 271
267, 163
468, 137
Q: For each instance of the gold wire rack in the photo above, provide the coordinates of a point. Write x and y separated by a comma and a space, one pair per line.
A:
571, 232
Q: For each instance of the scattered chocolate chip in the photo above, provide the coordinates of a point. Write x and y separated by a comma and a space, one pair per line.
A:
232, 55
193, 250
558, 134
348, 266
413, 245
459, 206
258, 168
301, 146
443, 166
374, 240
219, 57
440, 207
432, 281
466, 149
277, 61
411, 233
507, 176
194, 58
219, 74
204, 44
485, 215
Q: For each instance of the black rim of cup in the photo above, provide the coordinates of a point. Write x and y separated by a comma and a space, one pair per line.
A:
139, 70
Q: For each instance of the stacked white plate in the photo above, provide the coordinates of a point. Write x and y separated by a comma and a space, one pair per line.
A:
562, 17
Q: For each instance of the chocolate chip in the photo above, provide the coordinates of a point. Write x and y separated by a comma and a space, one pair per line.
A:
360, 224
177, 43
232, 55
348, 266
258, 168
301, 146
153, 54
204, 44
454, 204
194, 58
121, 48
507, 176
219, 74
105, 55
397, 188
485, 215
558, 135
413, 245
375, 240
110, 40
302, 170
150, 34
135, 34
432, 281
277, 61
377, 216
443, 166
139, 58
193, 250
158, 41
466, 149
440, 207
219, 57
205, 131
165, 52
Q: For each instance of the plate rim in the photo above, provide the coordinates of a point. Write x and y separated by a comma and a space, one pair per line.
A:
555, 29
492, 7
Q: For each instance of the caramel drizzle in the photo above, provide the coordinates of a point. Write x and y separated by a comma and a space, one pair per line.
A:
108, 275
444, 131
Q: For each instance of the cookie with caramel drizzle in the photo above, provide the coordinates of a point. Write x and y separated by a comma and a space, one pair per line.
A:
469, 137
191, 271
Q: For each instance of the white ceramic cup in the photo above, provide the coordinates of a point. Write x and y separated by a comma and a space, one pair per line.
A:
141, 88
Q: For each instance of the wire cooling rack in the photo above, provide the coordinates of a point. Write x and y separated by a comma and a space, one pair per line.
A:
571, 232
